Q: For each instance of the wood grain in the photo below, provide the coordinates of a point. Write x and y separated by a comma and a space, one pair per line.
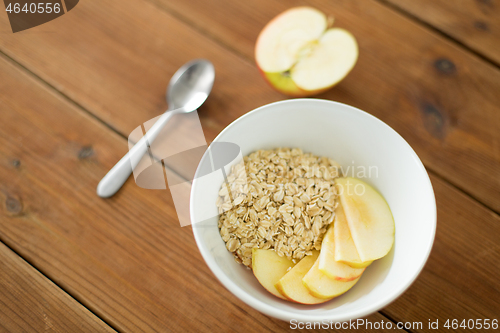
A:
475, 23
118, 66
125, 258
440, 98
29, 302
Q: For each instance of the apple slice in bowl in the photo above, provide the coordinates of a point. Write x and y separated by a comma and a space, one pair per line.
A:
328, 264
321, 286
368, 216
291, 285
268, 267
345, 249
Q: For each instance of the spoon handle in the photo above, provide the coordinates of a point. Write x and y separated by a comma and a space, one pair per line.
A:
117, 176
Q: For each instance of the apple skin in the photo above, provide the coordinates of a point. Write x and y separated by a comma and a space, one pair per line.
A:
269, 268
291, 285
330, 267
345, 249
321, 286
282, 292
357, 265
319, 301
283, 83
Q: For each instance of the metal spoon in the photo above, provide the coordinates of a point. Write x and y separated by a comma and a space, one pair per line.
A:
187, 91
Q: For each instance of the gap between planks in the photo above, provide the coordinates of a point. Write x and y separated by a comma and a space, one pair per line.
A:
203, 32
437, 31
382, 312
82, 109
392, 7
58, 286
200, 30
73, 102
231, 49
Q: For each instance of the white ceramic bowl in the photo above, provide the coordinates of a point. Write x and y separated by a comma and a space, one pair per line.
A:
352, 138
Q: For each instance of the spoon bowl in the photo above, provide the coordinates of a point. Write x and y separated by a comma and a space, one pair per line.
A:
190, 85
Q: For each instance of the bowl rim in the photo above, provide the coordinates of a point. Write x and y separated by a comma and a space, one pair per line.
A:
310, 317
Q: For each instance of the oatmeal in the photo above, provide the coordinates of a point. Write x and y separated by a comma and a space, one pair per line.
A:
280, 199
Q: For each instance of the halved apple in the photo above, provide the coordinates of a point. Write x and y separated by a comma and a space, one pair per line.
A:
291, 286
329, 266
268, 267
345, 250
321, 286
300, 56
368, 216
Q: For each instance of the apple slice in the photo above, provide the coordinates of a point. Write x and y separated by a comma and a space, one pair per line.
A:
321, 286
345, 250
368, 216
291, 286
299, 56
329, 266
268, 267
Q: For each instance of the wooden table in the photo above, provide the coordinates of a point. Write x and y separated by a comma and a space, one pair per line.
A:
73, 89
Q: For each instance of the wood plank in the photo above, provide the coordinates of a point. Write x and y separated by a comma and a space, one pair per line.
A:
475, 23
439, 97
400, 80
125, 258
29, 302
118, 66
